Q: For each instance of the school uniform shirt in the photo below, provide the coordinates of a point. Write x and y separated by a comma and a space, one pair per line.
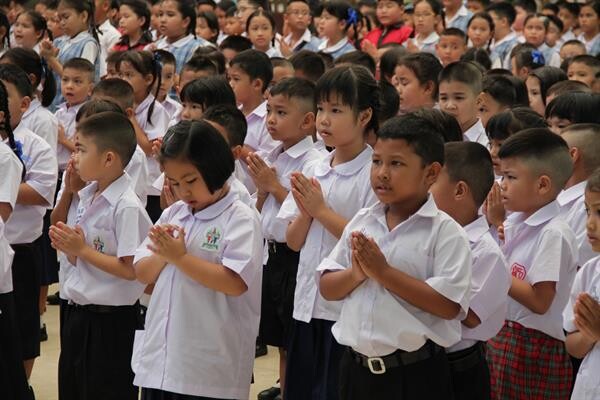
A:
428, 44
572, 210
199, 341
108, 36
173, 109
65, 116
183, 49
346, 189
565, 37
429, 246
592, 46
460, 20
137, 169
500, 50
490, 282
338, 49
551, 56
154, 129
273, 52
41, 173
541, 248
114, 223
476, 133
41, 122
587, 382
306, 42
11, 168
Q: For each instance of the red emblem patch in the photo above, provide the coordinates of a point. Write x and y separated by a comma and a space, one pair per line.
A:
518, 271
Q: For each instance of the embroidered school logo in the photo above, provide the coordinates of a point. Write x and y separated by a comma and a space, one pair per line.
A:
518, 271
212, 236
99, 244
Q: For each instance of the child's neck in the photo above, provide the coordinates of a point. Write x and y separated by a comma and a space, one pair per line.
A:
289, 143
469, 124
579, 175
592, 34
173, 39
424, 35
397, 213
139, 99
297, 35
79, 32
450, 12
70, 105
134, 38
541, 204
466, 217
335, 39
264, 49
348, 152
251, 104
107, 180
100, 21
500, 33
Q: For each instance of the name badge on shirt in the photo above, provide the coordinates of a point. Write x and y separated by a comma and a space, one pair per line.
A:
212, 238
99, 244
518, 271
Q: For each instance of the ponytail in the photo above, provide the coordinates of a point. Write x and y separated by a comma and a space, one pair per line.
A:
157, 66
15, 145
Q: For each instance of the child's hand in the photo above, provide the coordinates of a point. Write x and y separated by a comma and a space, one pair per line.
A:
411, 46
587, 316
357, 272
493, 208
73, 182
286, 50
47, 49
369, 48
70, 241
168, 242
156, 145
308, 192
368, 255
500, 231
263, 176
169, 194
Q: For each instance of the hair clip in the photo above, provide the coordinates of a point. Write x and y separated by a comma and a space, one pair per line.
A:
352, 17
538, 57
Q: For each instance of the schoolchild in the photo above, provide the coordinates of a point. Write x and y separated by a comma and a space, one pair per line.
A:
416, 80
538, 82
134, 23
428, 14
500, 93
337, 17
505, 38
451, 46
572, 108
456, 14
167, 83
298, 18
389, 14
261, 29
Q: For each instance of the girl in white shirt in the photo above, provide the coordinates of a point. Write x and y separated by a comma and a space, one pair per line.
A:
204, 256
261, 31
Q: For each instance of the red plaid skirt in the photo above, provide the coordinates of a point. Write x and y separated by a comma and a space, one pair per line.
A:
526, 364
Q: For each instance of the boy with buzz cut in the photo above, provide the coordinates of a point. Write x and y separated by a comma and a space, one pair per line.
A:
101, 318
291, 121
402, 269
459, 86
460, 190
451, 46
503, 14
528, 357
585, 68
76, 86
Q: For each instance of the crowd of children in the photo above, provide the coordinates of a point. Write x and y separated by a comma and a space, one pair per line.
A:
403, 198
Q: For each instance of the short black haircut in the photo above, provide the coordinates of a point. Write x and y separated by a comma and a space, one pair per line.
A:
507, 90
81, 65
577, 107
201, 63
418, 133
471, 163
445, 124
506, 123
585, 137
390, 101
208, 91
503, 10
527, 5
425, 66
236, 43
16, 76
310, 64
114, 57
572, 8
166, 57
214, 55
548, 76
110, 131
552, 7
587, 59
230, 118
481, 58
543, 152
357, 57
199, 143
117, 90
463, 72
297, 88
568, 86
455, 32
92, 107
593, 182
255, 64
281, 62
389, 60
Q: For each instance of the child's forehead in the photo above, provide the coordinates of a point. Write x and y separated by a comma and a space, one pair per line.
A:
75, 73
453, 39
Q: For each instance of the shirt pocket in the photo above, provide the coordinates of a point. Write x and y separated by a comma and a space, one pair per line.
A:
103, 241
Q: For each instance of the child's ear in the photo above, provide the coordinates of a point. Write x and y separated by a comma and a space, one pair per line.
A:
237, 151
365, 116
148, 78
25, 102
575, 154
433, 171
429, 88
544, 184
308, 122
257, 84
129, 112
461, 190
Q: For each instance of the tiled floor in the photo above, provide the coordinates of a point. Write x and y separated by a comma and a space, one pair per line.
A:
44, 378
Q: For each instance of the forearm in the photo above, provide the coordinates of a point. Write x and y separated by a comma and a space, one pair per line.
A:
333, 222
472, 320
5, 211
297, 231
142, 140
110, 264
336, 285
214, 276
538, 298
148, 269
61, 209
260, 201
29, 197
578, 345
55, 65
279, 192
66, 142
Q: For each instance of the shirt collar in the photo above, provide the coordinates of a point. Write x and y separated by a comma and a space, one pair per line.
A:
571, 194
181, 42
511, 36
462, 12
70, 109
476, 229
259, 111
474, 132
34, 105
300, 148
79, 37
544, 214
428, 210
306, 36
144, 104
208, 213
112, 193
323, 46
431, 39
348, 168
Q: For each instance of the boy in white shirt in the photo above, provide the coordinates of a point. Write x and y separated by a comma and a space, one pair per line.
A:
541, 252
460, 190
402, 270
582, 315
111, 223
108, 35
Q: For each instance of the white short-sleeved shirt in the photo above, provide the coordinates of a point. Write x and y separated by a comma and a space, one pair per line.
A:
199, 341
91, 49
41, 122
66, 116
173, 108
257, 136
285, 162
154, 129
346, 189
490, 282
541, 248
477, 134
11, 169
115, 223
587, 382
26, 222
589, 44
572, 210
108, 36
429, 246
137, 169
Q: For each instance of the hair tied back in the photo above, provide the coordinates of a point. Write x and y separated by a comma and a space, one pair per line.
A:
538, 57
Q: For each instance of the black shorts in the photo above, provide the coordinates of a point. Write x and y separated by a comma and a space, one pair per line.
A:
49, 263
278, 287
26, 269
470, 373
153, 208
13, 382
156, 394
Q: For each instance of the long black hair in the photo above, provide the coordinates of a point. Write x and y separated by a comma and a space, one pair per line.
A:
88, 6
7, 128
139, 8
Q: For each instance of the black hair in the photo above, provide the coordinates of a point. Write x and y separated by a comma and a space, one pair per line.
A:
445, 124
230, 118
464, 72
309, 63
354, 86
593, 182
225, 5
214, 55
485, 16
479, 57
187, 9
527, 5
503, 10
548, 76
116, 89
213, 23
576, 107
506, 123
7, 128
327, 59
110, 131
236, 43
544, 18
343, 11
436, 7
587, 59
357, 57
139, 8
231, 11
18, 77
552, 7
459, 33
296, 88
34, 65
208, 91
594, 4
211, 3
255, 64
425, 66
202, 145
201, 63
88, 6
544, 153
527, 55
507, 90
146, 63
471, 163
166, 57
575, 42
81, 65
567, 86
556, 21
4, 23
114, 57
281, 62
390, 101
38, 22
421, 135
93, 107
389, 60
269, 16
